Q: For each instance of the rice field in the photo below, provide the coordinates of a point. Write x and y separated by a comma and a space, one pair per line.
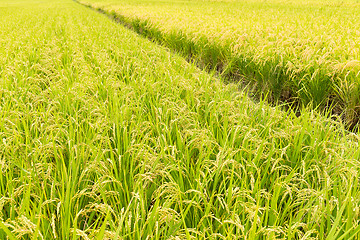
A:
107, 135
302, 52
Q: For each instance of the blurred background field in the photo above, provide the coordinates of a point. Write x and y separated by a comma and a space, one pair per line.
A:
294, 51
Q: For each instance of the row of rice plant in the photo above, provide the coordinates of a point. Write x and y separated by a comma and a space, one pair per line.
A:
304, 52
105, 135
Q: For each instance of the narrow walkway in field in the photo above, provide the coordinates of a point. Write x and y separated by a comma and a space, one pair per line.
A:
181, 45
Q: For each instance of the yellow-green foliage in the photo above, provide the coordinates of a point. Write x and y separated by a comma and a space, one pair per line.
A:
104, 135
303, 50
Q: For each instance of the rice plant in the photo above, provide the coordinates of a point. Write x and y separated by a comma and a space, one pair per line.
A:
105, 135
